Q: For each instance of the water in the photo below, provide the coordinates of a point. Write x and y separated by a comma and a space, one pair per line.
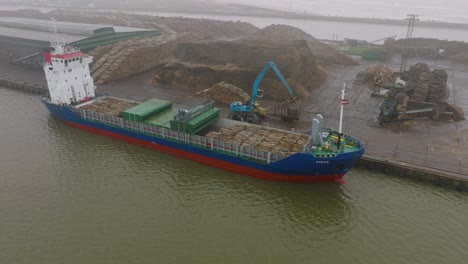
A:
67, 196
448, 11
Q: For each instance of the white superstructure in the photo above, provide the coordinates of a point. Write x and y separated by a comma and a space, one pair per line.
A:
68, 77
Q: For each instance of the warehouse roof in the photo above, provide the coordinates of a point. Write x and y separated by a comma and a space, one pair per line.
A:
38, 29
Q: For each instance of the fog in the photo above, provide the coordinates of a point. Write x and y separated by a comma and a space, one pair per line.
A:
449, 11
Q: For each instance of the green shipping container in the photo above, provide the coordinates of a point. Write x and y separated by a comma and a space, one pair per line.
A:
374, 54
145, 110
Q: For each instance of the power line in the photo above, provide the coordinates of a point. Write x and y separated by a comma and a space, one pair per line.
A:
412, 18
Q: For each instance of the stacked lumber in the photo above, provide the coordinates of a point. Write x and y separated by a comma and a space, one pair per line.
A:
225, 93
125, 58
416, 71
429, 86
438, 87
421, 89
265, 139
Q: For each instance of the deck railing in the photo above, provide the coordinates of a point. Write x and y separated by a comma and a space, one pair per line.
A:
195, 140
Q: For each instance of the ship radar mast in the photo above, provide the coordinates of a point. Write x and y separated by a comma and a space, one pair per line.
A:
55, 43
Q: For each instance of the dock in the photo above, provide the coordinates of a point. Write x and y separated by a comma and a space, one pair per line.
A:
428, 151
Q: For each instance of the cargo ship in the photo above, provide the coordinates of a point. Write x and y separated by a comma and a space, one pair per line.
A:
197, 132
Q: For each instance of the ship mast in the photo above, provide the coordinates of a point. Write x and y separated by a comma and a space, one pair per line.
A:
343, 103
55, 42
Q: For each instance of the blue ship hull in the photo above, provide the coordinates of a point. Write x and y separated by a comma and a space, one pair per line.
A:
299, 167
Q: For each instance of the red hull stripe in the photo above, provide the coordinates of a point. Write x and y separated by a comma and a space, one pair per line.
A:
211, 161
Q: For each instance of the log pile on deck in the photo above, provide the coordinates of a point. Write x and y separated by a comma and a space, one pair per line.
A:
109, 106
265, 139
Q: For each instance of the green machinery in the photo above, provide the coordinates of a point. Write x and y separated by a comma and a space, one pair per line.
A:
196, 117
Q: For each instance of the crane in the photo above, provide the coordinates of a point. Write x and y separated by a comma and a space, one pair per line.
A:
394, 36
252, 112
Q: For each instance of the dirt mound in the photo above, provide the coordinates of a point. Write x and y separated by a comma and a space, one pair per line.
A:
326, 54
225, 93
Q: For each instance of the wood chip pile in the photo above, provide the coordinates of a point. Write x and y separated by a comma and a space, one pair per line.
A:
265, 139
381, 74
109, 105
225, 93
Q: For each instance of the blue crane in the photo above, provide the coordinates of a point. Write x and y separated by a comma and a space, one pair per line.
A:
251, 112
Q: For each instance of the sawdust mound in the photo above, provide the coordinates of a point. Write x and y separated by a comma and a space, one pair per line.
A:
225, 93
204, 64
326, 54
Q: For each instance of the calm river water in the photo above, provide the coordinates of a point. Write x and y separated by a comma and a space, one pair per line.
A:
67, 196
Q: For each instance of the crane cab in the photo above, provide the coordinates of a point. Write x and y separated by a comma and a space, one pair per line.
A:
260, 93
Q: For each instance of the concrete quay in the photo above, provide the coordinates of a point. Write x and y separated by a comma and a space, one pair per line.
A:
427, 151
434, 151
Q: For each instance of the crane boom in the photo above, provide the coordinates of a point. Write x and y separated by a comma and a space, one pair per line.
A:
394, 36
260, 77
250, 112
